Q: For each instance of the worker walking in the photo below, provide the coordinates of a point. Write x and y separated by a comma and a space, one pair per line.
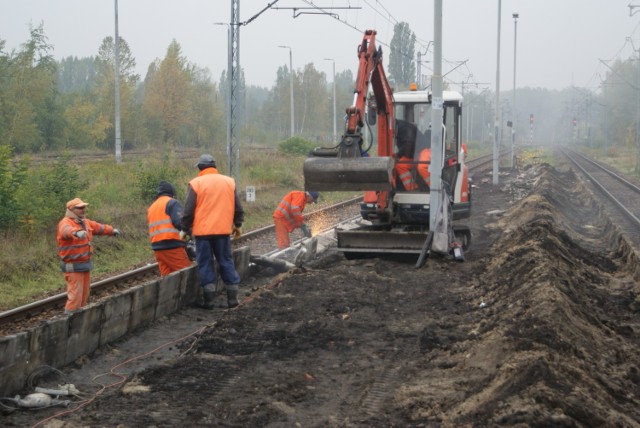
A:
74, 235
212, 212
164, 218
288, 216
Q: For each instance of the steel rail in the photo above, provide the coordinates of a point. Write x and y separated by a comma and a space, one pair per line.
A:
35, 308
602, 188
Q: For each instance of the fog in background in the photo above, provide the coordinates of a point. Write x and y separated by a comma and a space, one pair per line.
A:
559, 43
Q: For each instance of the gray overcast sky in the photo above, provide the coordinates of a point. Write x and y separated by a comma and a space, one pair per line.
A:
560, 42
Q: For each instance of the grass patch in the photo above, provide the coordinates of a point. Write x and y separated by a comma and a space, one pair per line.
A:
119, 195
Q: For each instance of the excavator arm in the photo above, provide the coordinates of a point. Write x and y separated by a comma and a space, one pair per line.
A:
348, 166
371, 74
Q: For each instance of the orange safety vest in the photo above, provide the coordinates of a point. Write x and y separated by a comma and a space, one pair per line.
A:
160, 226
73, 250
290, 208
215, 203
423, 168
403, 170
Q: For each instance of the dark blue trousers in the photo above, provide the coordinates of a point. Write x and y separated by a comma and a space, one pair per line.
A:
211, 250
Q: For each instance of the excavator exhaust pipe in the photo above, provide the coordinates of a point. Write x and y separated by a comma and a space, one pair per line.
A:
348, 174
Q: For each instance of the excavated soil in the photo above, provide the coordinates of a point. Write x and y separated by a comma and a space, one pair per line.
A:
539, 326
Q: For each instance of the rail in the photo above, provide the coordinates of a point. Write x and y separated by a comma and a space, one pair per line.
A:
57, 301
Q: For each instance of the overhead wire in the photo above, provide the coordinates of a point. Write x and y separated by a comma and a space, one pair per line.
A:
387, 16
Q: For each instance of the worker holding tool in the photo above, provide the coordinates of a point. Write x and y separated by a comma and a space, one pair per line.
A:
212, 212
164, 218
288, 216
74, 235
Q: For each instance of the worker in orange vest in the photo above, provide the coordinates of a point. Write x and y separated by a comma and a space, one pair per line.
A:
164, 218
74, 235
406, 146
406, 141
288, 216
424, 160
212, 212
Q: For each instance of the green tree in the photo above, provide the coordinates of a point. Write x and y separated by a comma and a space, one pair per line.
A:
167, 96
11, 178
206, 126
86, 127
345, 83
314, 103
76, 74
402, 67
104, 91
30, 108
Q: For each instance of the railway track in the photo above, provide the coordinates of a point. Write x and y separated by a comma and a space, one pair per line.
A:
261, 242
622, 195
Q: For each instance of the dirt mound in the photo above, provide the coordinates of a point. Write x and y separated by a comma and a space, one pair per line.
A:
557, 341
538, 327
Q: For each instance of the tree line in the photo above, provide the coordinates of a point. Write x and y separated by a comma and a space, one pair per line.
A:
49, 105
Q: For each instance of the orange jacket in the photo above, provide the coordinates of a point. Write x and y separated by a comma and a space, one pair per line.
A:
75, 253
290, 208
404, 172
214, 203
161, 227
423, 168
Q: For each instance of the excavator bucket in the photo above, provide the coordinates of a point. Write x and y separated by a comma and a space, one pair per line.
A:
348, 174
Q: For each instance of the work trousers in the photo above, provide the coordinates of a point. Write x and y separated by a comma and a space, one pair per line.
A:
78, 286
171, 260
212, 250
282, 232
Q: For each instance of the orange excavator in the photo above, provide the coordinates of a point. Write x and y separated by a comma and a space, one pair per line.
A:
395, 180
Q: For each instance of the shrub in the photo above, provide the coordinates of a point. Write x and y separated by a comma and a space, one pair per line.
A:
12, 177
296, 146
42, 198
147, 176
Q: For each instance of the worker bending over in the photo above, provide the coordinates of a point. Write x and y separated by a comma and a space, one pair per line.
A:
288, 216
164, 217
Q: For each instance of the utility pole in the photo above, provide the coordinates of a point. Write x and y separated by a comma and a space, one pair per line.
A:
290, 87
437, 105
116, 71
335, 133
419, 66
496, 133
637, 167
233, 83
514, 114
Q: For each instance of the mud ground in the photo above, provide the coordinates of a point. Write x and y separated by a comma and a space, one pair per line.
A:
539, 326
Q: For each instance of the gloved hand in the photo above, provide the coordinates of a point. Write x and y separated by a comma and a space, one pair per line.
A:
184, 236
236, 232
305, 230
80, 234
116, 232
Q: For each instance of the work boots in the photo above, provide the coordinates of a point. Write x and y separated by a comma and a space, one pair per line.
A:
232, 295
209, 295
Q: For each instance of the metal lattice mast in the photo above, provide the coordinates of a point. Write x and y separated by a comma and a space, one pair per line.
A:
233, 78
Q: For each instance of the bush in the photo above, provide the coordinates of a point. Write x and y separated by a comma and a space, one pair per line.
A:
42, 198
12, 178
296, 146
147, 176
